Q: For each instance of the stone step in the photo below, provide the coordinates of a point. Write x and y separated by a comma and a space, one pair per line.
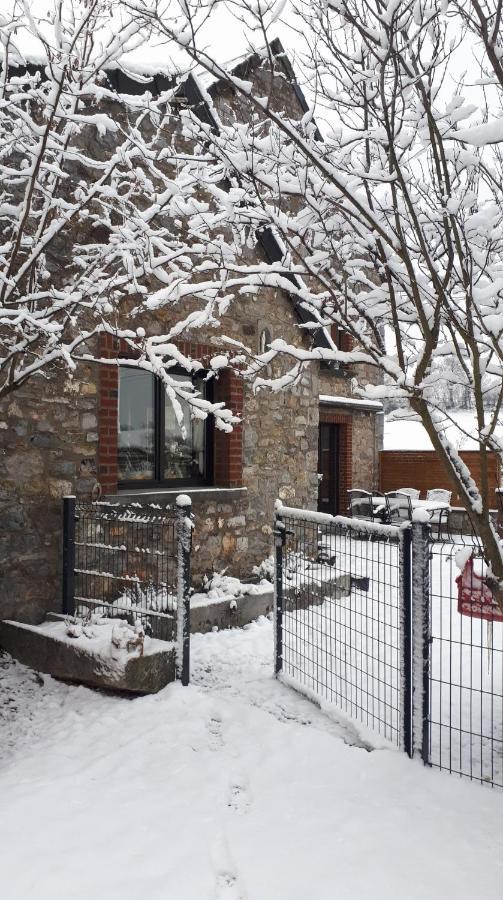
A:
95, 662
207, 615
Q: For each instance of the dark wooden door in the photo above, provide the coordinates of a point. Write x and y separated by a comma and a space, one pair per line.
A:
328, 468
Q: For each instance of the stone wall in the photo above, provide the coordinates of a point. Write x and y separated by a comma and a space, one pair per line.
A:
49, 431
46, 429
233, 527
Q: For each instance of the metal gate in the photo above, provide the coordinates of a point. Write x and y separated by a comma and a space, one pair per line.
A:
465, 717
131, 561
366, 617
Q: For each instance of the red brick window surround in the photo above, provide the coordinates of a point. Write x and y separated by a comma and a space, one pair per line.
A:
332, 417
342, 339
228, 388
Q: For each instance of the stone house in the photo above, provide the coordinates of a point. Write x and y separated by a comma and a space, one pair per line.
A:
112, 421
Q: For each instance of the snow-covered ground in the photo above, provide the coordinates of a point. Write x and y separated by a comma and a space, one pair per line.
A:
234, 788
403, 434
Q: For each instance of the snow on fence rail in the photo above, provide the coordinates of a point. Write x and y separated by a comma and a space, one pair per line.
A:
367, 618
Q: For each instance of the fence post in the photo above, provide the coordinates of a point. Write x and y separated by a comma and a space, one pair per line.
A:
421, 636
407, 719
279, 543
69, 505
184, 545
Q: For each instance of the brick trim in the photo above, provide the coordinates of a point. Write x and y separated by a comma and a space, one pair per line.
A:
228, 447
228, 388
342, 339
347, 342
108, 397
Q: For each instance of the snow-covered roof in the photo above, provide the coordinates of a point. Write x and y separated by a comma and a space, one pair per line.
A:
368, 405
146, 53
409, 434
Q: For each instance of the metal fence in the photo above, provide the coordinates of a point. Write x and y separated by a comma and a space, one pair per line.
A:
339, 615
130, 561
367, 618
465, 719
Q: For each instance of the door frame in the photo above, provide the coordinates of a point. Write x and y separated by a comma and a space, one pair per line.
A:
331, 415
334, 431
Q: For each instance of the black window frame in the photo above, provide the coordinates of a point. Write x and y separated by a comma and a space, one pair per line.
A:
159, 482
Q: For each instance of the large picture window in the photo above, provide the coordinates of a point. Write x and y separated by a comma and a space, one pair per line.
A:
152, 447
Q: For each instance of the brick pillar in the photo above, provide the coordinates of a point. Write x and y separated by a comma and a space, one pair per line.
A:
347, 343
228, 447
108, 412
346, 465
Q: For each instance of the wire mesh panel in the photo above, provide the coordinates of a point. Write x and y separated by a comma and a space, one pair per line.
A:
126, 564
340, 584
465, 666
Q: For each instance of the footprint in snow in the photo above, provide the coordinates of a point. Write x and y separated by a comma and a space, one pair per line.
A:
227, 885
216, 740
239, 797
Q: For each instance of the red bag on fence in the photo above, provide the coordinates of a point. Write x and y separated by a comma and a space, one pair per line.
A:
475, 598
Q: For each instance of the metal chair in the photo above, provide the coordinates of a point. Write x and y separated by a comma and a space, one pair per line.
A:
440, 525
379, 507
398, 507
360, 505
411, 492
439, 494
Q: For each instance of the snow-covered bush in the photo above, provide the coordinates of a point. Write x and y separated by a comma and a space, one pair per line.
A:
265, 569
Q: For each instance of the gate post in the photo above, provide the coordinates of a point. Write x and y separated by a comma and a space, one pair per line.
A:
279, 543
184, 546
69, 505
406, 617
421, 637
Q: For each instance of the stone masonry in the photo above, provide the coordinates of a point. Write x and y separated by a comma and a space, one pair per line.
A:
55, 428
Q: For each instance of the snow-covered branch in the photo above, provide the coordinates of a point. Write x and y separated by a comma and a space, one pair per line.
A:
384, 191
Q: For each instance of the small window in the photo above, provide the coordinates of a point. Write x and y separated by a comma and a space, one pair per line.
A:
264, 340
153, 448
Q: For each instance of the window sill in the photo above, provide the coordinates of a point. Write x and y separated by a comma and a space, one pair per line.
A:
169, 495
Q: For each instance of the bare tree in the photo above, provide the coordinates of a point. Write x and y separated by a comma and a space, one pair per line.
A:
101, 197
385, 195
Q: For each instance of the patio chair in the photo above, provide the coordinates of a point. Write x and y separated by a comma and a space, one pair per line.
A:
439, 521
398, 507
379, 507
439, 494
360, 505
411, 492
